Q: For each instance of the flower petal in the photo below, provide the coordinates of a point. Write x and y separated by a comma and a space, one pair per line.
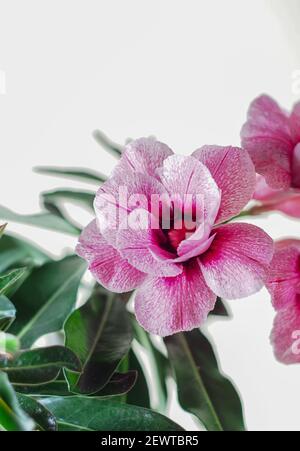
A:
296, 166
144, 155
105, 262
294, 122
165, 306
234, 173
267, 137
285, 335
236, 263
137, 241
284, 275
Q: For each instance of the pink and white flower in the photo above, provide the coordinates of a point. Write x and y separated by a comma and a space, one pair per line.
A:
177, 271
272, 138
284, 285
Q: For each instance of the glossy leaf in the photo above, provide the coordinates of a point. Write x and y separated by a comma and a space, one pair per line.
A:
12, 417
18, 252
44, 420
139, 394
43, 220
100, 333
47, 298
220, 309
58, 197
39, 366
119, 384
8, 280
85, 175
108, 145
7, 313
202, 389
9, 344
104, 415
2, 229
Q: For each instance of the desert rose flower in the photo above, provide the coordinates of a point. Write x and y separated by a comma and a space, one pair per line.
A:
272, 138
178, 268
284, 286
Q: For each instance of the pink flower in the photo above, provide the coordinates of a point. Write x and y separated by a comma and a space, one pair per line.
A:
177, 271
284, 286
272, 138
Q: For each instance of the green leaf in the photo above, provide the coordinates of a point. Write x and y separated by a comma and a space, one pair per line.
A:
85, 175
7, 313
202, 389
113, 148
39, 366
57, 387
119, 384
12, 417
8, 280
18, 252
58, 197
2, 228
81, 413
9, 344
43, 220
220, 309
139, 394
100, 333
47, 298
157, 364
43, 419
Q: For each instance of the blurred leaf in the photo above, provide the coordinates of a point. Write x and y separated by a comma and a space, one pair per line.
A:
202, 389
43, 419
8, 280
43, 220
2, 228
139, 394
9, 344
39, 366
7, 313
85, 175
12, 417
157, 364
18, 252
220, 309
57, 197
80, 413
47, 298
113, 148
100, 333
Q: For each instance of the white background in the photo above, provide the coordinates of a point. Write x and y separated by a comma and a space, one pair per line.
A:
182, 70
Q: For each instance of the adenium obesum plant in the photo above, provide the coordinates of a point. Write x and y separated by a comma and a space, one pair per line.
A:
178, 271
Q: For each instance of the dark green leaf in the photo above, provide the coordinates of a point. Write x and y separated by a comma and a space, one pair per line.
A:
58, 197
80, 413
12, 417
113, 148
85, 175
9, 344
2, 228
8, 280
220, 309
43, 419
17, 252
119, 384
202, 389
139, 395
100, 333
47, 298
43, 220
7, 313
39, 366
55, 388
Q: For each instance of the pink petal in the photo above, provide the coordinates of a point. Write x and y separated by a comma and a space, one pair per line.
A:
284, 275
144, 155
237, 261
296, 166
105, 263
285, 335
234, 173
294, 122
165, 306
267, 137
137, 245
109, 205
186, 175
